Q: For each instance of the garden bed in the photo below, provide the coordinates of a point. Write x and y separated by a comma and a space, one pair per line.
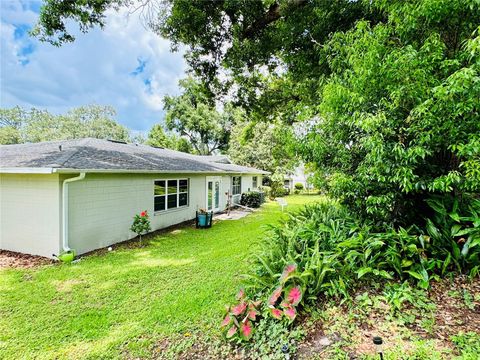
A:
453, 308
10, 259
346, 332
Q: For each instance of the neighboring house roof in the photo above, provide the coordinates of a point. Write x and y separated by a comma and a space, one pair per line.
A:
95, 155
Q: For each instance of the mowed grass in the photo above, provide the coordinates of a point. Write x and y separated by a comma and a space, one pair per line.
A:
112, 304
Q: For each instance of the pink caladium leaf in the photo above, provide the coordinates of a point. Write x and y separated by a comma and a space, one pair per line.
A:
290, 313
294, 295
287, 271
231, 332
246, 330
275, 295
276, 313
252, 315
226, 321
239, 309
241, 294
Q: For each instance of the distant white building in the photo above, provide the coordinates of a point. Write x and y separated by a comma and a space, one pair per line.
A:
299, 175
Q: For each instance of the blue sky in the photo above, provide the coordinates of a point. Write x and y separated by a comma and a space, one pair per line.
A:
123, 65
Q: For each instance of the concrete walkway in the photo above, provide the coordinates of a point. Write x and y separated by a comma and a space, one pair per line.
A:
234, 215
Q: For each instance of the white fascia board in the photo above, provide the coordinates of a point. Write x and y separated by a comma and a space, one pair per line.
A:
27, 170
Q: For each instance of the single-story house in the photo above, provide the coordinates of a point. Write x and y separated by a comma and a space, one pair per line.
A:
83, 194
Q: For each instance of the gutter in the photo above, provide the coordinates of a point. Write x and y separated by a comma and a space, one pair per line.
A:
65, 246
126, 171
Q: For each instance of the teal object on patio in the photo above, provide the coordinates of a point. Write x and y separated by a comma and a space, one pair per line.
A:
204, 220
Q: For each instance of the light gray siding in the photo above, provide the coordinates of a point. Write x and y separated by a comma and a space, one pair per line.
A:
30, 213
102, 207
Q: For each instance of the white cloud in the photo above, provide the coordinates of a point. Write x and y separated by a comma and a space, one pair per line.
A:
99, 67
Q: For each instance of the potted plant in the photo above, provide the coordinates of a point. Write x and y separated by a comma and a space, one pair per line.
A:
204, 218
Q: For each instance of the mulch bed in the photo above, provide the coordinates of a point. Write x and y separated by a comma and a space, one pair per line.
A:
452, 316
10, 259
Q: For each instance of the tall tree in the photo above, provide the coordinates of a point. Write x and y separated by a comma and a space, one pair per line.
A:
192, 115
247, 37
266, 146
11, 122
160, 138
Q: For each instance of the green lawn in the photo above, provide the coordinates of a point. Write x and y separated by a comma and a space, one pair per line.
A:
121, 302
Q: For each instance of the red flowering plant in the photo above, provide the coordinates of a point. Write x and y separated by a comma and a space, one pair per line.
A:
141, 224
238, 322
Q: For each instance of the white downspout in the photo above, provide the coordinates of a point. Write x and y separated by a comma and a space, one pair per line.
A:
65, 246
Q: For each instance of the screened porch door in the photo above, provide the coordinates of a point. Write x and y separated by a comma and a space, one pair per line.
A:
213, 193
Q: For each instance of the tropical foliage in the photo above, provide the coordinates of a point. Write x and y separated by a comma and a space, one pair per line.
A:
281, 304
325, 251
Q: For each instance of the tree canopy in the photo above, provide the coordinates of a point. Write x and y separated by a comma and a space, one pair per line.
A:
386, 90
18, 125
192, 115
158, 137
263, 145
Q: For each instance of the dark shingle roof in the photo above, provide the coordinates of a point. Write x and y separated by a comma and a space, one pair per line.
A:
96, 154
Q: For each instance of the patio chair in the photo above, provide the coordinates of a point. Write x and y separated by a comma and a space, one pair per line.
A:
282, 202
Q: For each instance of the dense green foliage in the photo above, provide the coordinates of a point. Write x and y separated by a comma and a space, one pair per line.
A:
194, 118
334, 251
19, 126
159, 137
394, 116
266, 146
252, 199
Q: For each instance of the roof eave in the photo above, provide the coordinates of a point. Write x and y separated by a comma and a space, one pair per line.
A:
30, 170
141, 171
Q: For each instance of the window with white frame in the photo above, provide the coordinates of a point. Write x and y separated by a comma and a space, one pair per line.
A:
236, 185
170, 194
254, 182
